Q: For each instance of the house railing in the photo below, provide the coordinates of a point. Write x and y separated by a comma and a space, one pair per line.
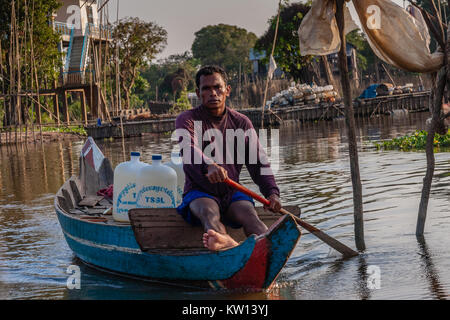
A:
85, 45
69, 50
100, 31
63, 28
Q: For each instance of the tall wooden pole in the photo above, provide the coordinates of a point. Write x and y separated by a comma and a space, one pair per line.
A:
268, 79
443, 78
351, 131
435, 108
118, 85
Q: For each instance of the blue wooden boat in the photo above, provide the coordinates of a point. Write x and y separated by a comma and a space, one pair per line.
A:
157, 244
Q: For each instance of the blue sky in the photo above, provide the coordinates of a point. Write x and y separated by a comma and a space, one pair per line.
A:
182, 18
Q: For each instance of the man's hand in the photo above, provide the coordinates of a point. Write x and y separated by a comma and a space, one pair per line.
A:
275, 203
216, 173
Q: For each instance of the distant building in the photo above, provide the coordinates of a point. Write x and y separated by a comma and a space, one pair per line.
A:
333, 61
78, 22
259, 68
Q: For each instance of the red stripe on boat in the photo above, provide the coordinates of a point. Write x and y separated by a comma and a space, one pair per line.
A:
253, 274
90, 158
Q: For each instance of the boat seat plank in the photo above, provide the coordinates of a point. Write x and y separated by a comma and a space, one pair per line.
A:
68, 198
165, 229
75, 192
90, 201
63, 203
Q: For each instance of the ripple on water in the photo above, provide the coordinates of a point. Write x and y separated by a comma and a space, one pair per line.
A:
314, 173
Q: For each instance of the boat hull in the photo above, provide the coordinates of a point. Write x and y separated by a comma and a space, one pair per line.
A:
254, 264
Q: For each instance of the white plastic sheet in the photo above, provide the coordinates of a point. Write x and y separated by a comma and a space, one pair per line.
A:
318, 32
396, 36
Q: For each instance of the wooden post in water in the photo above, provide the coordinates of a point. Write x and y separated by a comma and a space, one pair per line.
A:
83, 106
66, 108
436, 125
351, 131
56, 103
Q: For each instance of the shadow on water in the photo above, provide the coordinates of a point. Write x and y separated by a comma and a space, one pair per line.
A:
364, 292
98, 284
429, 270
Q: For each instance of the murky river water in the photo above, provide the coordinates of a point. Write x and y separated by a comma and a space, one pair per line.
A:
313, 174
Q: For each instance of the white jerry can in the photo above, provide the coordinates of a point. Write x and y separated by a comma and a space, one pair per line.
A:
124, 190
156, 185
176, 163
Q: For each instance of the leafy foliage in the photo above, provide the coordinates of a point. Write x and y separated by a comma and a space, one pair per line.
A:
287, 52
139, 42
79, 130
181, 104
224, 45
416, 141
364, 54
169, 73
45, 40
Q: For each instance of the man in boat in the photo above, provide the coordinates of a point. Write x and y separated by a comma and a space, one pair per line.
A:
206, 199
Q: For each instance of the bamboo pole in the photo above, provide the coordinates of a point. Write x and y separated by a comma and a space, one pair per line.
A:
33, 58
19, 82
12, 65
351, 131
118, 86
25, 73
99, 64
271, 55
106, 59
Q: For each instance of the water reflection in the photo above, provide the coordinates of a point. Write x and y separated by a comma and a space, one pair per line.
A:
364, 292
430, 272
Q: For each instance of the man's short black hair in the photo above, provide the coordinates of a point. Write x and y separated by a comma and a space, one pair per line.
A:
209, 70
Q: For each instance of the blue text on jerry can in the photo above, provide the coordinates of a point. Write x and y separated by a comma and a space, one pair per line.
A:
155, 197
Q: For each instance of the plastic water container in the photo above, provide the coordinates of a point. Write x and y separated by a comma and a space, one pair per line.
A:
156, 185
124, 191
176, 163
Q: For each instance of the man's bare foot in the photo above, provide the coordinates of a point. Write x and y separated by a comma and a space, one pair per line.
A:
216, 241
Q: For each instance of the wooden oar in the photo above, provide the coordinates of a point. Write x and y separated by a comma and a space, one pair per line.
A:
335, 244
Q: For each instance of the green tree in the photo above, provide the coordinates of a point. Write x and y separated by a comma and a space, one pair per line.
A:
139, 42
224, 45
45, 40
32, 22
364, 55
161, 75
427, 5
287, 52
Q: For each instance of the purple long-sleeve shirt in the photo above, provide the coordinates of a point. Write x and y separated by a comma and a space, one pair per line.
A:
195, 171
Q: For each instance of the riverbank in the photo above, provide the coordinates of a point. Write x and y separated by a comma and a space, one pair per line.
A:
394, 105
8, 138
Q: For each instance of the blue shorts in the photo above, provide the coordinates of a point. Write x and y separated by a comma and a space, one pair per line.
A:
184, 210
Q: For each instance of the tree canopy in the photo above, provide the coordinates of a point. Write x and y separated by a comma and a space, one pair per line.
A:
139, 42
287, 52
224, 45
29, 56
167, 75
35, 17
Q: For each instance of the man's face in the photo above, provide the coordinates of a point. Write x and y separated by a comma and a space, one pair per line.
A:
213, 91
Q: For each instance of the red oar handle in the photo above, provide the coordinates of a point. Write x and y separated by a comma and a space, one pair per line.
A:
342, 248
248, 192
